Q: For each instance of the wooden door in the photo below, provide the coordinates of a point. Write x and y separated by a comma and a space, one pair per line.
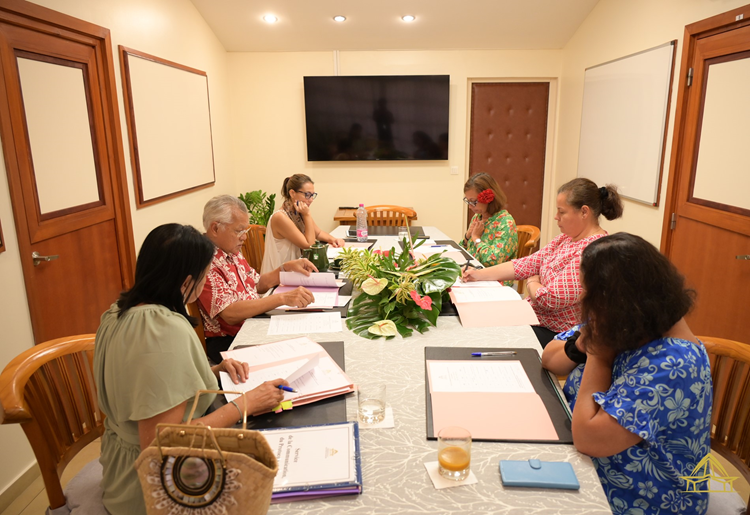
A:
508, 141
707, 227
63, 154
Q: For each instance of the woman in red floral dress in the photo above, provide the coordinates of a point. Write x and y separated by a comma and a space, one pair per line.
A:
491, 237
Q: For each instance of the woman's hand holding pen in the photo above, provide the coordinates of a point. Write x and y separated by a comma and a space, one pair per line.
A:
470, 274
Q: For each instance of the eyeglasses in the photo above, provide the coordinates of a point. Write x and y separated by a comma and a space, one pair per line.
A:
307, 194
472, 203
236, 232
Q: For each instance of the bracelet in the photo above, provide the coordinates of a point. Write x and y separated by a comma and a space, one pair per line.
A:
571, 350
242, 415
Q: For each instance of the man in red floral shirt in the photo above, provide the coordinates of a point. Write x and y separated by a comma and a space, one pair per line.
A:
233, 289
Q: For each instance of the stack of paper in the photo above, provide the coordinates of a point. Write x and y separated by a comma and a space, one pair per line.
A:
316, 461
307, 367
447, 251
488, 304
323, 285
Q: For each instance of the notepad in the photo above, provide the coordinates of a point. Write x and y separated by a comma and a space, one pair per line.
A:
316, 461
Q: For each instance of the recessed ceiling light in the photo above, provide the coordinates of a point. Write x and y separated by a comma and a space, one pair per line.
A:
270, 18
339, 18
408, 18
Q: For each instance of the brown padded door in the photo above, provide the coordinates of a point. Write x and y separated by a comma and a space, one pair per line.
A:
508, 141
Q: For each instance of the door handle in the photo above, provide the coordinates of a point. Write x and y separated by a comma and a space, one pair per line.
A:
746, 257
39, 258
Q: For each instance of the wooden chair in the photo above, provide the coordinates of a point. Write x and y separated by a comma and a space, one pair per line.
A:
390, 216
255, 246
730, 417
50, 390
195, 312
528, 241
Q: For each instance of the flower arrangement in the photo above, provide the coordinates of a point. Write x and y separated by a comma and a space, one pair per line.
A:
399, 294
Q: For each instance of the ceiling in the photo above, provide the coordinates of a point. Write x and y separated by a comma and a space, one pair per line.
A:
307, 25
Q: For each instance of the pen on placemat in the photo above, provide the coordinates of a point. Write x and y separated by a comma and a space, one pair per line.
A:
500, 353
287, 388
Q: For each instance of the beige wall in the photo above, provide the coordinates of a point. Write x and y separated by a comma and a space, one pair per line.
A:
616, 28
171, 29
267, 125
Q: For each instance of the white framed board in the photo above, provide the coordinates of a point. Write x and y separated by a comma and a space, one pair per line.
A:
624, 122
169, 125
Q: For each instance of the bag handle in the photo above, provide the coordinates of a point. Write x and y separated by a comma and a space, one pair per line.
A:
205, 430
199, 392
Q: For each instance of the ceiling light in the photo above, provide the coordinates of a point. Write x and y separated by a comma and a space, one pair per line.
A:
270, 18
408, 18
339, 18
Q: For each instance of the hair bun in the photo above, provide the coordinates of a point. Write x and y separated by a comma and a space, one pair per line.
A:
603, 192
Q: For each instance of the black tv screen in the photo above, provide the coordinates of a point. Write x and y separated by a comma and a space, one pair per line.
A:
363, 118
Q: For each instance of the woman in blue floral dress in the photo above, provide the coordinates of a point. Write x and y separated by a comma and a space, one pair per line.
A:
639, 382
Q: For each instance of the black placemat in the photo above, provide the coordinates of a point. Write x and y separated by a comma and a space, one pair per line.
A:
532, 365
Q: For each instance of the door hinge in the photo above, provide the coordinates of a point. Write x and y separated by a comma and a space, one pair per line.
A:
673, 222
690, 77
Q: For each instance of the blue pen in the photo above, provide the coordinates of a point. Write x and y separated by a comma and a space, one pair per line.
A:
500, 353
287, 388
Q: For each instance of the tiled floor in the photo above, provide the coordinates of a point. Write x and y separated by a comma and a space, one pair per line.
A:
33, 500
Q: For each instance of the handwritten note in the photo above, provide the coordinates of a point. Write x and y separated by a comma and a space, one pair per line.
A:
479, 376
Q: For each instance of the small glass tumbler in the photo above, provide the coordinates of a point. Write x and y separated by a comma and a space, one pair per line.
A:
371, 403
403, 232
454, 453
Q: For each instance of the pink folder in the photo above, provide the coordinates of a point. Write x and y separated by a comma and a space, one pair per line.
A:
499, 313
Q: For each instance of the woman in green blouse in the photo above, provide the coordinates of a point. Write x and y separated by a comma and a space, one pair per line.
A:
491, 237
148, 361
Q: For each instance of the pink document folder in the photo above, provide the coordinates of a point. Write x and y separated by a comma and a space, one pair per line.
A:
499, 313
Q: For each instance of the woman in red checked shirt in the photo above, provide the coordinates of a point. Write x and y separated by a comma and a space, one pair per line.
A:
491, 237
553, 283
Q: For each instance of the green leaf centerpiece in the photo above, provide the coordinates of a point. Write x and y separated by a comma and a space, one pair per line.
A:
399, 294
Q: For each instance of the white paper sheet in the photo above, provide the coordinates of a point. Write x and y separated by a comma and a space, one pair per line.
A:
333, 252
343, 300
485, 294
324, 279
305, 323
479, 376
321, 300
277, 351
475, 284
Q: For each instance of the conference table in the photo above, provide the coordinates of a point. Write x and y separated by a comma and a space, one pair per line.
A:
395, 480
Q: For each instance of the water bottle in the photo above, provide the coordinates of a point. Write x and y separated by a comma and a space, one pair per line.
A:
361, 223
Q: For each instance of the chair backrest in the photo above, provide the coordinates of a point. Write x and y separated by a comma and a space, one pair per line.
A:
390, 216
730, 417
195, 312
50, 390
255, 246
528, 241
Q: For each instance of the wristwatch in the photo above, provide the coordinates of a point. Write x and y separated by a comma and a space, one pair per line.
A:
478, 240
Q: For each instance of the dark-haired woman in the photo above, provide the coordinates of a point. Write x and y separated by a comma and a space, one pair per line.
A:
491, 237
292, 227
552, 273
642, 401
148, 361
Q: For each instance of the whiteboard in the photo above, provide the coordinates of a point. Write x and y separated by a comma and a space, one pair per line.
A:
169, 122
623, 122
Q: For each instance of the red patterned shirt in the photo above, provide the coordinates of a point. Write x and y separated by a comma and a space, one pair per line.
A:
230, 280
558, 265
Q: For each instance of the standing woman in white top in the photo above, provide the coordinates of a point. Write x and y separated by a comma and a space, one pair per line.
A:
292, 227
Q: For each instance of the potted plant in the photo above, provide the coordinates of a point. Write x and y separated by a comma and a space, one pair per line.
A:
399, 294
259, 206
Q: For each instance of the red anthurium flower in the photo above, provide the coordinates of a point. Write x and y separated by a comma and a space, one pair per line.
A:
383, 252
486, 196
423, 302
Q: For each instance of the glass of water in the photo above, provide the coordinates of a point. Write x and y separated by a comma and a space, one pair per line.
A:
403, 232
371, 403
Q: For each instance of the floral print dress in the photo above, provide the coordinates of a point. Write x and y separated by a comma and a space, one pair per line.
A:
499, 241
662, 392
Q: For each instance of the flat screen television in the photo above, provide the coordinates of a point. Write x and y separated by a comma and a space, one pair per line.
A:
370, 118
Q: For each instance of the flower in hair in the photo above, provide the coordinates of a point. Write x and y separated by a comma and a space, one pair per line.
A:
486, 196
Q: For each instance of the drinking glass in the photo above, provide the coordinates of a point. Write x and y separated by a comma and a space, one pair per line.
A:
371, 402
403, 232
454, 453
